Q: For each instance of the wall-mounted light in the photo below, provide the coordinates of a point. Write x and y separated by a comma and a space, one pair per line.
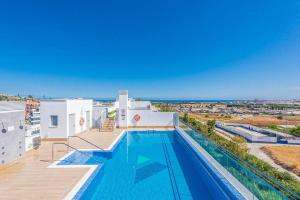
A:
3, 129
21, 126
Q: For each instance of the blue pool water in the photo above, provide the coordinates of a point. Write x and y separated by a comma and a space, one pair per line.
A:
151, 165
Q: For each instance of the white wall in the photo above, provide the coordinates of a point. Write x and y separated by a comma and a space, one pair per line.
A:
123, 108
293, 140
150, 118
128, 108
48, 108
62, 108
79, 107
110, 109
140, 104
12, 142
116, 105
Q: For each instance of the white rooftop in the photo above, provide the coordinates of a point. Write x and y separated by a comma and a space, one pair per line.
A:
62, 100
11, 106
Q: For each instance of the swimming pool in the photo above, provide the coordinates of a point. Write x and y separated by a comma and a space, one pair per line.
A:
151, 165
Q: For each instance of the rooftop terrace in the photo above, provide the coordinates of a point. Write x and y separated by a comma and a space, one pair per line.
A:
30, 177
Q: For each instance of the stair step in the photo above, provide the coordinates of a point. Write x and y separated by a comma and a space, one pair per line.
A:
108, 126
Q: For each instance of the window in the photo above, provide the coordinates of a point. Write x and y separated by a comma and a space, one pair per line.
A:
53, 120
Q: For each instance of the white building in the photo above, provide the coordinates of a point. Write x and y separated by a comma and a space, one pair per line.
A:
12, 131
33, 129
131, 113
250, 133
66, 117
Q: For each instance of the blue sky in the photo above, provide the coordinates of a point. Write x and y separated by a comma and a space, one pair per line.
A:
210, 49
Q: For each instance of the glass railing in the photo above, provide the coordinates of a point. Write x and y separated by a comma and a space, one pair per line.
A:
256, 181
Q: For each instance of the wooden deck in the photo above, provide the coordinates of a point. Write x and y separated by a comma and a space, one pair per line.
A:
29, 178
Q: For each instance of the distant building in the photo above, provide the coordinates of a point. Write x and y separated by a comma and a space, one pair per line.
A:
12, 135
32, 104
35, 117
33, 124
65, 117
33, 130
249, 132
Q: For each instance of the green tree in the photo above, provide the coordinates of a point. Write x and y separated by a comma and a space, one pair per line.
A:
185, 117
240, 146
273, 127
211, 126
295, 131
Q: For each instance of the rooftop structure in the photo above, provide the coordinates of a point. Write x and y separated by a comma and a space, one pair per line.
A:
250, 133
7, 106
61, 118
132, 113
256, 134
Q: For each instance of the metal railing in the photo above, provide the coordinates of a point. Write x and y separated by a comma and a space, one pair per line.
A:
75, 136
69, 146
61, 143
